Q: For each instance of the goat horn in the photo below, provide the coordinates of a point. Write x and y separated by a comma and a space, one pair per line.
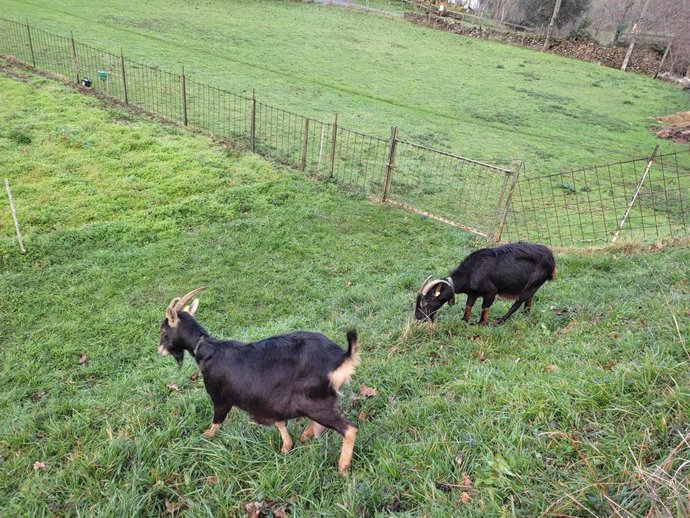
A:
427, 287
178, 303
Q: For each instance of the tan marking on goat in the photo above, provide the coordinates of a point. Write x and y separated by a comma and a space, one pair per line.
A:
211, 432
285, 436
346, 451
163, 351
508, 296
484, 320
342, 374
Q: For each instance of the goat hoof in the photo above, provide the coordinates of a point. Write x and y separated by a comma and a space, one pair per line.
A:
285, 448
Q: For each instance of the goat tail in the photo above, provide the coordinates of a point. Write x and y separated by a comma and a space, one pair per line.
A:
353, 346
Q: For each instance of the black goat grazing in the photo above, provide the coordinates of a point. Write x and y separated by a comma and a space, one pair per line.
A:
276, 379
514, 271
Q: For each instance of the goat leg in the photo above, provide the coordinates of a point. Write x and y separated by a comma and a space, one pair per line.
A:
313, 429
285, 436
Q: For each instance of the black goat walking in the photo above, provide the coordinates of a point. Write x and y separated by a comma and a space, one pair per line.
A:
276, 379
514, 271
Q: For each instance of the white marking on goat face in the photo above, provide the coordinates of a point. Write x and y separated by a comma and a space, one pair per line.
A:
162, 350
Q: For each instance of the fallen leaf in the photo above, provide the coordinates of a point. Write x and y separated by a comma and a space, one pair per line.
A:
444, 486
37, 396
194, 375
458, 459
393, 350
172, 386
466, 481
211, 479
464, 498
169, 507
39, 465
551, 368
349, 284
83, 359
596, 319
253, 509
279, 512
367, 391
362, 416
613, 335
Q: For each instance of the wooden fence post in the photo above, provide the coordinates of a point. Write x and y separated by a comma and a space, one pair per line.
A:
124, 76
14, 215
183, 96
75, 63
31, 45
252, 122
305, 137
637, 193
509, 197
333, 140
391, 163
663, 58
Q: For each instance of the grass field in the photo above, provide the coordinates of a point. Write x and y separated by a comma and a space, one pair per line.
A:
580, 408
480, 99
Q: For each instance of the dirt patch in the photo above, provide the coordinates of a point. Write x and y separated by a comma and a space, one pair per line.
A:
677, 127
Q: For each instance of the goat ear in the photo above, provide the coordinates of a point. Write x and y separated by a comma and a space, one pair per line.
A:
171, 315
191, 309
451, 302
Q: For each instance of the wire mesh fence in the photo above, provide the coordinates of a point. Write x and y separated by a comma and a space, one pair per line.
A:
587, 207
469, 192
641, 200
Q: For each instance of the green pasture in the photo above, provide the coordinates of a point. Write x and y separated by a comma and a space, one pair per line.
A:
580, 408
480, 99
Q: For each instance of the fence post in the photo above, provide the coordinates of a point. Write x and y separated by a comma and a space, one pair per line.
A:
75, 63
252, 122
124, 76
305, 136
31, 45
637, 193
183, 96
509, 197
391, 163
335, 133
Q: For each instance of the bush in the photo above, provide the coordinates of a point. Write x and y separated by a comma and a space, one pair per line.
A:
581, 31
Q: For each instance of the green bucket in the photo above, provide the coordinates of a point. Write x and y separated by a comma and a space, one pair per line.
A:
102, 75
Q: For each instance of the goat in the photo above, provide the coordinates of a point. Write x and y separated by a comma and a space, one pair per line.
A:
514, 271
279, 378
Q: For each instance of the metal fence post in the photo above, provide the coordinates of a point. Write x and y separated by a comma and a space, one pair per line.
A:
391, 163
31, 45
335, 134
124, 76
305, 136
75, 63
504, 215
183, 97
252, 122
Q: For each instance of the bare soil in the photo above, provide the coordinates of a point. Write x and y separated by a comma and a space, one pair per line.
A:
677, 127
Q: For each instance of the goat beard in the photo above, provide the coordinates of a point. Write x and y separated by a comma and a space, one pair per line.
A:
179, 357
